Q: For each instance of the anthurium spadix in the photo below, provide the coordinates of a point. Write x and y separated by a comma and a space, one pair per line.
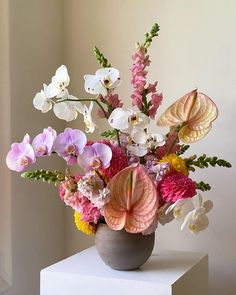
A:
57, 87
195, 112
104, 79
134, 200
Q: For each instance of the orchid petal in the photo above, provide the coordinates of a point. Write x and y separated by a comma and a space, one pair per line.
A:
119, 119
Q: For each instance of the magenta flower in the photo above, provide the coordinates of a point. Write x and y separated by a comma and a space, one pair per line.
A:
95, 156
43, 142
69, 144
177, 186
155, 103
21, 155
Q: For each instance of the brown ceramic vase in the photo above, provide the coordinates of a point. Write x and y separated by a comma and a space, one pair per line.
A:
121, 250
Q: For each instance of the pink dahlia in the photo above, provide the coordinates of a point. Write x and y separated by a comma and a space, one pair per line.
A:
118, 162
176, 186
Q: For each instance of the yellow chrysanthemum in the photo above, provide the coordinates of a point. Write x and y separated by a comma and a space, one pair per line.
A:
176, 162
83, 226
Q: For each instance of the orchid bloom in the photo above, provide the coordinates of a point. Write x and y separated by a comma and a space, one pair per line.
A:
87, 113
69, 144
68, 110
181, 208
21, 155
41, 101
197, 220
104, 79
96, 156
59, 82
42, 143
130, 122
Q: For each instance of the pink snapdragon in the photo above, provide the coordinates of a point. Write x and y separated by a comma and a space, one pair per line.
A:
156, 100
21, 155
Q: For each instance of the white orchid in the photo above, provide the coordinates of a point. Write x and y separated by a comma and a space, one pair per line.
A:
181, 208
57, 88
155, 139
41, 101
68, 110
130, 122
138, 150
197, 220
106, 78
87, 113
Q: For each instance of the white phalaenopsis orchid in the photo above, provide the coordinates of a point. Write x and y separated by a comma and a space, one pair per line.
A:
181, 208
87, 113
57, 88
197, 220
130, 122
106, 78
41, 101
68, 110
155, 139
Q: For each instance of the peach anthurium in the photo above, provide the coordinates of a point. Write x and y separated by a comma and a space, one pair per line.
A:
194, 112
134, 200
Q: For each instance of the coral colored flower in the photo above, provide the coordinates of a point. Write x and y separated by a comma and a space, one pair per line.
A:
69, 144
176, 186
118, 162
176, 163
83, 226
21, 155
113, 100
43, 142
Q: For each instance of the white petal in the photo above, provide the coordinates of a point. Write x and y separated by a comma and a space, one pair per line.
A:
76, 104
119, 119
143, 121
52, 90
139, 136
90, 125
94, 86
47, 106
64, 111
112, 74
39, 100
62, 75
137, 150
187, 219
208, 205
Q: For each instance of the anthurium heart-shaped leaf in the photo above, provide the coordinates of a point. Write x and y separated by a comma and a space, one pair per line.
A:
195, 111
134, 200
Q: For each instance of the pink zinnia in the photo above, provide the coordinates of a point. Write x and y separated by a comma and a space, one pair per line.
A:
176, 186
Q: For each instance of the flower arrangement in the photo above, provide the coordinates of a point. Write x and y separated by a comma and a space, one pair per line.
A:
132, 179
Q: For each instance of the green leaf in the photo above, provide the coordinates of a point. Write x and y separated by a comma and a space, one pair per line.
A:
55, 176
183, 149
109, 133
203, 186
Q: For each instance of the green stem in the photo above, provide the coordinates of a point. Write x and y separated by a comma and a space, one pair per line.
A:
118, 137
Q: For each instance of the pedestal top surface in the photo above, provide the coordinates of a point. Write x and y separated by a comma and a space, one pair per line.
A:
161, 268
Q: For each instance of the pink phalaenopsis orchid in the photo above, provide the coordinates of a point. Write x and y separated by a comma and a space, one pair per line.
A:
70, 144
43, 142
95, 156
21, 155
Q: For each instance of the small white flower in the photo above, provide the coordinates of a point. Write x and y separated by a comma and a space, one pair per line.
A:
87, 113
156, 139
106, 78
59, 83
68, 110
197, 220
41, 101
165, 215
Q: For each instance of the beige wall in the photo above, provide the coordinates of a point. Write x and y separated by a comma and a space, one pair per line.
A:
37, 215
196, 48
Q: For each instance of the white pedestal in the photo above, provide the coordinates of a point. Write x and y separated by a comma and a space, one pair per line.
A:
165, 273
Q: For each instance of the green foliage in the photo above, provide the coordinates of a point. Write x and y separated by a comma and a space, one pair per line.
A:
204, 162
202, 186
109, 133
55, 176
183, 149
101, 58
149, 36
